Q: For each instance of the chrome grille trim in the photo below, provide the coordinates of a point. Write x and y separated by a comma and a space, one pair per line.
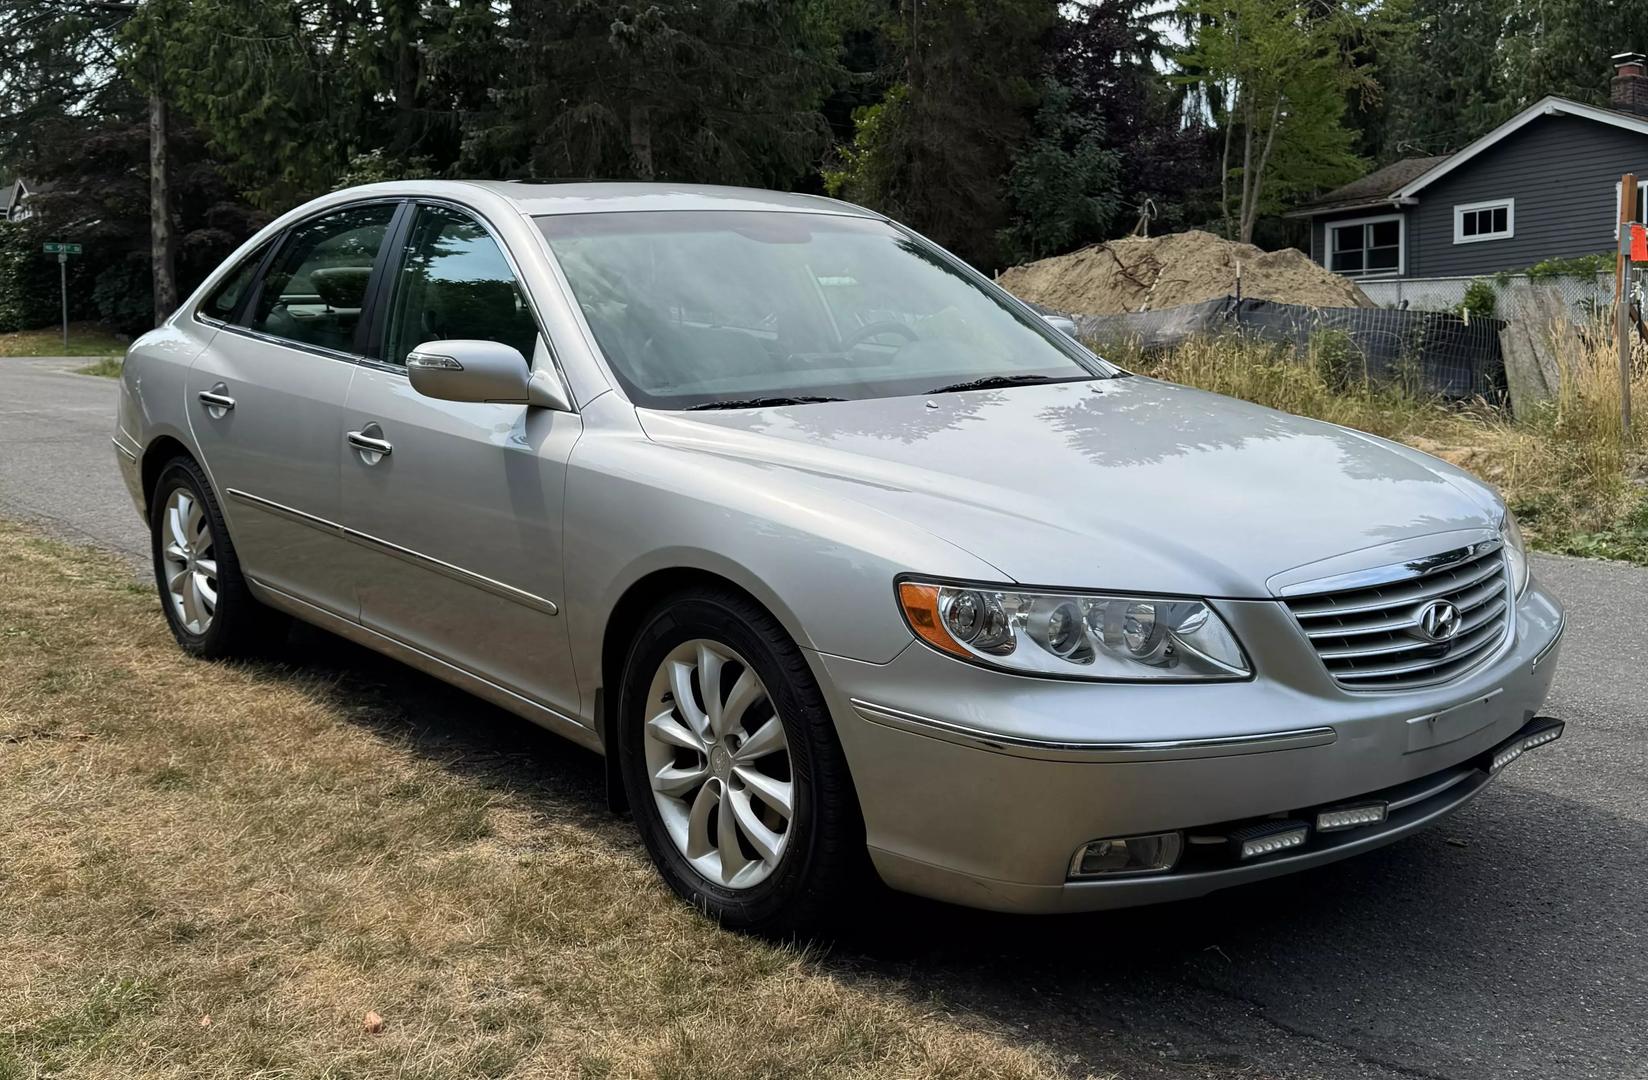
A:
1368, 635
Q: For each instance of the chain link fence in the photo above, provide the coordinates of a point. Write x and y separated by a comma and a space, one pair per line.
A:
1585, 295
1448, 355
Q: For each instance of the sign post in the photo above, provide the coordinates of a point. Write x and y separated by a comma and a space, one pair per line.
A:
1627, 216
62, 251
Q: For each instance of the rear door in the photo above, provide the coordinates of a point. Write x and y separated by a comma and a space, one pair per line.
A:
265, 402
463, 510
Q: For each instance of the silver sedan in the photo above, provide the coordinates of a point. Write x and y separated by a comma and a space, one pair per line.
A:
849, 562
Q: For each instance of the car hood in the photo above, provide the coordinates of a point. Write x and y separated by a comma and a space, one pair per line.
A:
1122, 483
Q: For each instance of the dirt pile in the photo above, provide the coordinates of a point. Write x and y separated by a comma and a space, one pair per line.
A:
1166, 271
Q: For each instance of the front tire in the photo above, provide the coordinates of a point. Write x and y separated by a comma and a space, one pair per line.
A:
207, 604
732, 766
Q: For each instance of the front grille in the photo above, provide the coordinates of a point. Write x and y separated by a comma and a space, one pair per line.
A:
1370, 636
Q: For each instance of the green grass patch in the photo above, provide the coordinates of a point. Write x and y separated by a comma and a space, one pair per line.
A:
85, 339
108, 367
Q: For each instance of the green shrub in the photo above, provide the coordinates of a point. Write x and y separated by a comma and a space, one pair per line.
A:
1481, 300
29, 292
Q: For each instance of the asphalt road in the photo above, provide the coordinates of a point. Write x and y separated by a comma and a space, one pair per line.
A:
1510, 942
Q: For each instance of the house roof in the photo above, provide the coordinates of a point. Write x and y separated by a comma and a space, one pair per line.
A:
11, 194
1549, 106
1375, 189
1401, 182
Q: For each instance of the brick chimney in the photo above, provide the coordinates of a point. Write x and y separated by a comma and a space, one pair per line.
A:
1630, 86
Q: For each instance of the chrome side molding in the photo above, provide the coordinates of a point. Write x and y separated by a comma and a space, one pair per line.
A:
416, 558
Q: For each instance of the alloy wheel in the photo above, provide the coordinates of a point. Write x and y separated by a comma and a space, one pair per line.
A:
189, 561
719, 764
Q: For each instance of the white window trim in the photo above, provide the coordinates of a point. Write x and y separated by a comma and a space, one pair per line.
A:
1642, 203
1461, 209
1401, 249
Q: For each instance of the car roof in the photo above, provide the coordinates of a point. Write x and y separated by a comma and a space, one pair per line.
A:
586, 197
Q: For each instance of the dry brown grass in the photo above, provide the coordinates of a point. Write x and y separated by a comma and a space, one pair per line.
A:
281, 853
1576, 485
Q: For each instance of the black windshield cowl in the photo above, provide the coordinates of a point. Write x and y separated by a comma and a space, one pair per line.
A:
997, 382
761, 402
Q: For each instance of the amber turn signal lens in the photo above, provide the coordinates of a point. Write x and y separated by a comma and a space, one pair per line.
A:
920, 603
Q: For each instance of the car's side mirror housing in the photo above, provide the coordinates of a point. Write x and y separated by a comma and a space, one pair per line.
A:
482, 371
1064, 324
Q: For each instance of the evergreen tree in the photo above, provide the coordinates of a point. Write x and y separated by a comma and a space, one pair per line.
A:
1445, 80
1062, 186
1111, 54
1563, 47
935, 151
727, 91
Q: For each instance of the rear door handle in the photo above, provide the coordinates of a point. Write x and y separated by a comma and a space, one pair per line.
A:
369, 446
216, 404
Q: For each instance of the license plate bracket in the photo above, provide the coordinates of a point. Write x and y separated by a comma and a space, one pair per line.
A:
1453, 724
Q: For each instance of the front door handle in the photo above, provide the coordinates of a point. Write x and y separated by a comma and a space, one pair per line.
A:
372, 449
218, 405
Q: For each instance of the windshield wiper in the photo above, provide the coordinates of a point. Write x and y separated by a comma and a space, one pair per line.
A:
761, 402
996, 382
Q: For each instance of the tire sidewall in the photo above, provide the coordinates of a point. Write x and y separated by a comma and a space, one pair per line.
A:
174, 476
710, 618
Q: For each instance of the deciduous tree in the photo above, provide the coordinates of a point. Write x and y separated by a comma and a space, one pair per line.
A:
1285, 70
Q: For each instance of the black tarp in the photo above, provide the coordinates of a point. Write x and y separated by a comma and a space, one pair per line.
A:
1450, 355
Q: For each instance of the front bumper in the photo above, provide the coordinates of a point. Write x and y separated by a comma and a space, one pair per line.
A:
977, 788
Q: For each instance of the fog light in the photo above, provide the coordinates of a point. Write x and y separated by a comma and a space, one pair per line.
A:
1152, 854
1516, 749
1542, 738
1350, 817
1268, 838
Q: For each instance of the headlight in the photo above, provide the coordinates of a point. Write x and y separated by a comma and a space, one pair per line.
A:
1515, 551
1074, 635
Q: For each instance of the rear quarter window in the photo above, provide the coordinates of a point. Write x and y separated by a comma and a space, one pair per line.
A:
224, 300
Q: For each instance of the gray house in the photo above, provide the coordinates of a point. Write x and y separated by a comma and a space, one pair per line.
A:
1542, 185
14, 201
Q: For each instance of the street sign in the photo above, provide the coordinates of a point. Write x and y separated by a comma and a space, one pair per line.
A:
62, 250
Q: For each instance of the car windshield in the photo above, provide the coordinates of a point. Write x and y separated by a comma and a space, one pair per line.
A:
721, 308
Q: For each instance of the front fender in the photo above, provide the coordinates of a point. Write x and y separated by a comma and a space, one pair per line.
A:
824, 569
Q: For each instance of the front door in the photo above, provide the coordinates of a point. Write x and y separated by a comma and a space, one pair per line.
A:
265, 403
459, 505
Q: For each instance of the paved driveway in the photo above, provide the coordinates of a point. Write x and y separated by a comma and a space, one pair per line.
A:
1512, 941
57, 467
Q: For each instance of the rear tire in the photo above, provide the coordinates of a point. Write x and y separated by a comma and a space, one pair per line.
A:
686, 768
203, 595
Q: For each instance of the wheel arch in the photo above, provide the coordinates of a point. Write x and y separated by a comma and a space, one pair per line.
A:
161, 450
624, 621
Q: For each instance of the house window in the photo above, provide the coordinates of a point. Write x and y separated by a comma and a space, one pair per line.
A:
1366, 247
1475, 222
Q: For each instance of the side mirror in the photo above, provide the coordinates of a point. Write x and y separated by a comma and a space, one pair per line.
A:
484, 371
1064, 324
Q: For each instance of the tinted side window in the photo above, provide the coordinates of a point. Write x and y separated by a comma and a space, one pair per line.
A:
455, 283
314, 290
226, 297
